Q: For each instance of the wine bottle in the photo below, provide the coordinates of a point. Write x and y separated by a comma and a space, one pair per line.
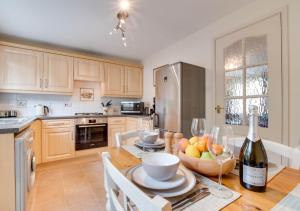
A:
253, 166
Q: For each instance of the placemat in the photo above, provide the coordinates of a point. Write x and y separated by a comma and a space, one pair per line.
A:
211, 202
291, 202
273, 170
136, 151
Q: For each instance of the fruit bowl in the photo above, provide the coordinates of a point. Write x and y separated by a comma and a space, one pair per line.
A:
206, 167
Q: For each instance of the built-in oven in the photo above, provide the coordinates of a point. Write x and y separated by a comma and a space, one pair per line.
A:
90, 133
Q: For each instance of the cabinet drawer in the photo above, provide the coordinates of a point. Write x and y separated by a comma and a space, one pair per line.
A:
117, 120
57, 123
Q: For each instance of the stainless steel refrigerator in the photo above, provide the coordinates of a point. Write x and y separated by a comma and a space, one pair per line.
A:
179, 96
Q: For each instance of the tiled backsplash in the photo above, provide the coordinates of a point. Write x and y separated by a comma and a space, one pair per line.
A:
58, 104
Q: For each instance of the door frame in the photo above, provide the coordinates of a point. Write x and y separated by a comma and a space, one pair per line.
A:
283, 12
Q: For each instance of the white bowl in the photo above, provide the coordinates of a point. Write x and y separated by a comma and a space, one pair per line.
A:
148, 137
160, 166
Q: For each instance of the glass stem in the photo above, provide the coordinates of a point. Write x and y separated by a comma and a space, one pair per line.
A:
220, 173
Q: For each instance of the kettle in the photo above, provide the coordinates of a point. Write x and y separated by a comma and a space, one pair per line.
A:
41, 110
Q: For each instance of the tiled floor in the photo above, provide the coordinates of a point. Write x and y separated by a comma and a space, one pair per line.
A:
69, 185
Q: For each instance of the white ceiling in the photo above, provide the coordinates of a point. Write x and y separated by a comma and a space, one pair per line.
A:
85, 24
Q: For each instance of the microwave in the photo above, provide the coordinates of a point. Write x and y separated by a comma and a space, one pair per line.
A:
129, 107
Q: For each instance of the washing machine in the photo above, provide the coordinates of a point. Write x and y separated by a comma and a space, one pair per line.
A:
25, 168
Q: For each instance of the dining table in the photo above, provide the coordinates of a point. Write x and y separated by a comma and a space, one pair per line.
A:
277, 188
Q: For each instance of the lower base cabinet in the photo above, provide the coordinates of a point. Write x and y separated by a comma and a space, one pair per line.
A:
58, 142
115, 125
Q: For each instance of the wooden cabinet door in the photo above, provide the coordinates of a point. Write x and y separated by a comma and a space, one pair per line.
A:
133, 82
20, 69
112, 130
36, 126
114, 80
58, 73
88, 70
131, 123
57, 144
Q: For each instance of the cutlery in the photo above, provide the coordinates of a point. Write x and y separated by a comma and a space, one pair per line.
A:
145, 149
190, 201
194, 193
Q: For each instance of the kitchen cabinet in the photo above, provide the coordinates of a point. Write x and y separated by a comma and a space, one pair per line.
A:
36, 126
122, 81
20, 69
133, 82
58, 141
131, 123
88, 70
58, 73
115, 125
114, 76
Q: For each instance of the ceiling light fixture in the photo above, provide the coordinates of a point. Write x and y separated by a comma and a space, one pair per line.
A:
122, 15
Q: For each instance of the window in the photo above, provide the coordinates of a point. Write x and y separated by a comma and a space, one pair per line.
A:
246, 80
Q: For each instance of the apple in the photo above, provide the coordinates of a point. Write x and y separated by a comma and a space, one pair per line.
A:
206, 156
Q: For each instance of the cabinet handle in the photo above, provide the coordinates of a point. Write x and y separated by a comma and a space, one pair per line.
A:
41, 83
46, 83
73, 135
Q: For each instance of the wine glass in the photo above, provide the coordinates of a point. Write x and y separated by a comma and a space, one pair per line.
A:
198, 127
221, 150
143, 124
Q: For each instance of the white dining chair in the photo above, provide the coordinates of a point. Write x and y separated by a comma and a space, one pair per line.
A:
116, 184
121, 138
292, 154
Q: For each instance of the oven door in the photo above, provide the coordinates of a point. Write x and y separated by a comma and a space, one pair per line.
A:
91, 136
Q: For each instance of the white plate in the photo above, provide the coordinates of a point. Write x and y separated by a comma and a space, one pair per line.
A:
188, 185
140, 177
158, 143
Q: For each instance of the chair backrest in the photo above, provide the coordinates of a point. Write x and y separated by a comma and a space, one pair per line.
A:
115, 183
122, 137
293, 154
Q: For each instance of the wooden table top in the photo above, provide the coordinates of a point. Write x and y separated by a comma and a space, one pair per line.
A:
277, 188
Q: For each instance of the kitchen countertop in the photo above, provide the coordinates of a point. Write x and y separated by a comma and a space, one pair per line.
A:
16, 128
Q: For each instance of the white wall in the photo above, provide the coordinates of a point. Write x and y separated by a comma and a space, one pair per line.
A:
56, 103
198, 49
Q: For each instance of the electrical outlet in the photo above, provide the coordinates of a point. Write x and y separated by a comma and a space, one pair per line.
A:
68, 105
21, 103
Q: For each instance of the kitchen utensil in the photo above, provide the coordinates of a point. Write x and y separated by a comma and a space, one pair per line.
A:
190, 201
41, 110
140, 177
206, 167
221, 150
160, 166
148, 137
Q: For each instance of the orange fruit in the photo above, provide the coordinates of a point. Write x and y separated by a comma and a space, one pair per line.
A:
217, 149
182, 144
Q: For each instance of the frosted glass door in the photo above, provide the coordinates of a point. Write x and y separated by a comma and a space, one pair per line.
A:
248, 71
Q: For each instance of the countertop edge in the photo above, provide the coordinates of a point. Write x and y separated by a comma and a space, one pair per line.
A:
19, 128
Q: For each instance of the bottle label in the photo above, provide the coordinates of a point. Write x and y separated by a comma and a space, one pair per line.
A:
254, 176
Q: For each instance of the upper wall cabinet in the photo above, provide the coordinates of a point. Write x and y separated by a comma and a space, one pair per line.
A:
114, 84
29, 69
88, 70
122, 81
133, 82
58, 73
20, 69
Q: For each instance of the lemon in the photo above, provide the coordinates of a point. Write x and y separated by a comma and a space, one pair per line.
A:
192, 151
